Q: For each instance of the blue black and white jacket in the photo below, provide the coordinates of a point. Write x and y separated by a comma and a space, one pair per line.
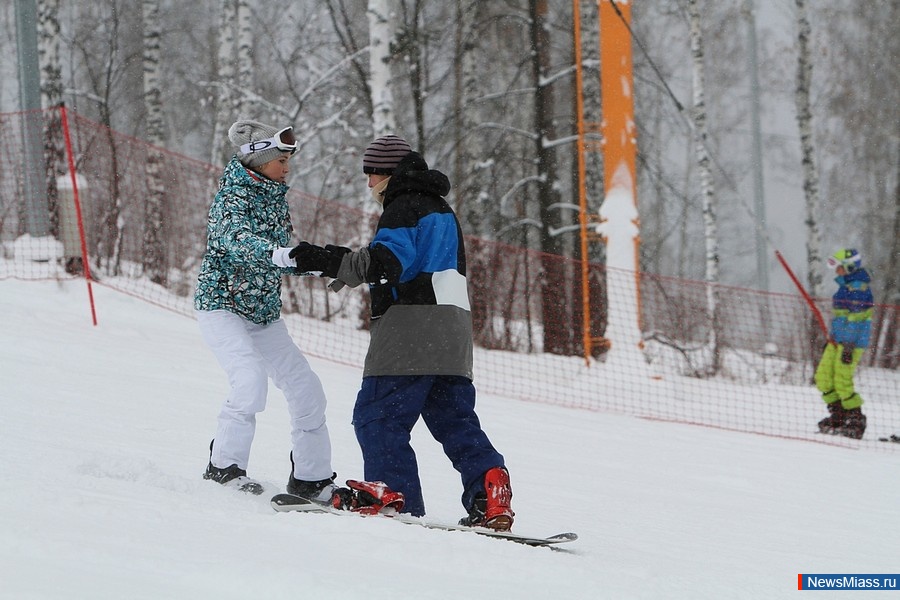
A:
248, 220
852, 307
416, 270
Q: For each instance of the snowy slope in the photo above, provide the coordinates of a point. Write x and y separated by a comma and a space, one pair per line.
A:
104, 434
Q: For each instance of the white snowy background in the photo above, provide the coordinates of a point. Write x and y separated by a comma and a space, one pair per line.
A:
104, 434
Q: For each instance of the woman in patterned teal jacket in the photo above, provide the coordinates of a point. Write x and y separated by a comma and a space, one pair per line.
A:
248, 221
851, 326
238, 308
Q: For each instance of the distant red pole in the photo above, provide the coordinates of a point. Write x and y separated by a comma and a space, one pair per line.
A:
805, 295
84, 253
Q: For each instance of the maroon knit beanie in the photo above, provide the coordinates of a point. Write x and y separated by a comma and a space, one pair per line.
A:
384, 154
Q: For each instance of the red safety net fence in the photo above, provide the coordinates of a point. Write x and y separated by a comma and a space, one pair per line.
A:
748, 367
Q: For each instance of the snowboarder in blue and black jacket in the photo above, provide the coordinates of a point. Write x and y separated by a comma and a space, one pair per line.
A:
419, 361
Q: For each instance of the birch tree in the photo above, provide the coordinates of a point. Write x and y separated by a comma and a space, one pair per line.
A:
477, 213
544, 130
154, 250
807, 151
51, 99
890, 330
707, 186
477, 209
411, 44
466, 91
597, 302
244, 59
558, 335
225, 63
381, 15
234, 77
590, 54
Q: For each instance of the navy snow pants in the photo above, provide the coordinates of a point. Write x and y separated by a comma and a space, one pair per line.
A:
386, 410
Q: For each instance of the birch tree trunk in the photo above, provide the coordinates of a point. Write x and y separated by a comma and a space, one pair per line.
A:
244, 59
51, 99
544, 132
466, 182
558, 334
707, 186
381, 15
807, 151
890, 321
892, 275
593, 112
411, 45
112, 226
220, 149
154, 248
468, 191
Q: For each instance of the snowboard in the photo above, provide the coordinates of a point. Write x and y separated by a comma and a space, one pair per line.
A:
291, 503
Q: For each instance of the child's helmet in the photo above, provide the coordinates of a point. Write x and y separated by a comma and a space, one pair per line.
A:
848, 258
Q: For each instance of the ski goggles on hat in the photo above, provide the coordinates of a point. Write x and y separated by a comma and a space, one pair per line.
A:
833, 263
283, 140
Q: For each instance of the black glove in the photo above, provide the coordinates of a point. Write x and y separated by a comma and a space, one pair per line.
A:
847, 353
336, 255
338, 251
310, 257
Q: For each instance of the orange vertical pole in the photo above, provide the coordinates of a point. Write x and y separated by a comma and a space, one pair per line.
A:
616, 84
616, 89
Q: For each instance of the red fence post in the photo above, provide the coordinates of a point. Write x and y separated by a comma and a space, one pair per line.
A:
84, 253
803, 292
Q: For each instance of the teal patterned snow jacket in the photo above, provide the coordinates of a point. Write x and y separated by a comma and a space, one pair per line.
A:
248, 220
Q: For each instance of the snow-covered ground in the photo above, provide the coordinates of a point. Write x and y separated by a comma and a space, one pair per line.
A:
104, 434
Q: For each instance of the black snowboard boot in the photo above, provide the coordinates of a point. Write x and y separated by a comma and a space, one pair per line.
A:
320, 492
833, 422
232, 475
225, 475
854, 423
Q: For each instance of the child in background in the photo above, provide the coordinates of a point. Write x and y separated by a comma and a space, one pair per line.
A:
851, 326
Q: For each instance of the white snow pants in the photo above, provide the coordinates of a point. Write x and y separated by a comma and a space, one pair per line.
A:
250, 354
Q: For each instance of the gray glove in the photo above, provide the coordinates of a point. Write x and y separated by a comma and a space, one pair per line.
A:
847, 353
353, 268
